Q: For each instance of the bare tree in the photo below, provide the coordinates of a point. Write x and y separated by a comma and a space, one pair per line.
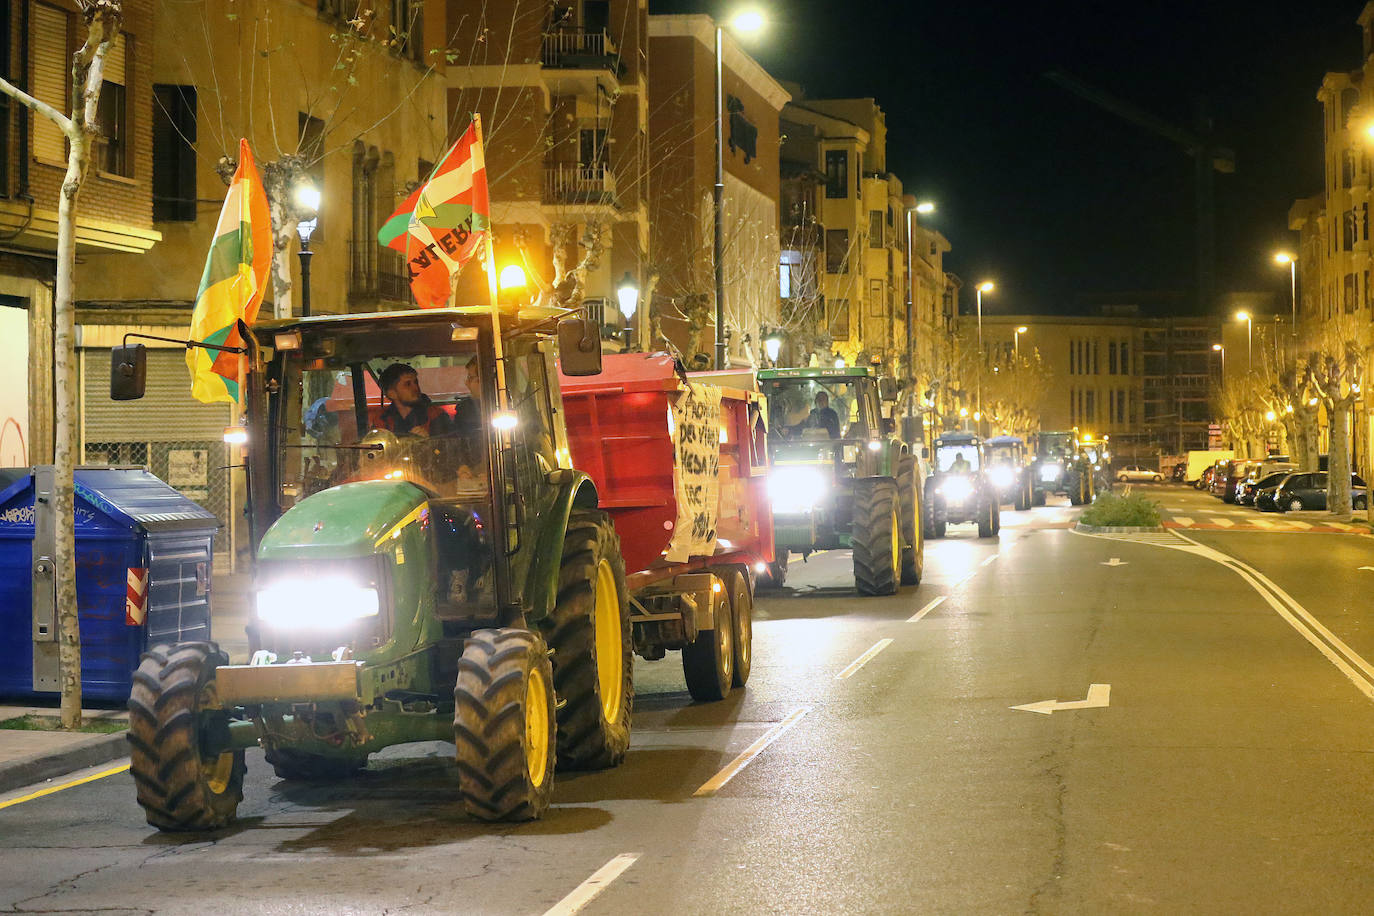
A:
1334, 367
102, 19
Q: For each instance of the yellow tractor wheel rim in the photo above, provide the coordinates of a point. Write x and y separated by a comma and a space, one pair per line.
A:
537, 728
610, 652
217, 773
896, 542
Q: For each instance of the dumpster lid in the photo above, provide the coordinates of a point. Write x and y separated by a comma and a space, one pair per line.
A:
141, 498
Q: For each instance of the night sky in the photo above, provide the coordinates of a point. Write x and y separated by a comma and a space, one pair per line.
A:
1062, 204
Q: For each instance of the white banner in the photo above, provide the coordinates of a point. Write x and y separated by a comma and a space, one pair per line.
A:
696, 453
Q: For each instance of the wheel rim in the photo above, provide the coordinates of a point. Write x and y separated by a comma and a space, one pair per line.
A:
610, 652
1295, 506
725, 640
896, 544
219, 771
744, 620
536, 728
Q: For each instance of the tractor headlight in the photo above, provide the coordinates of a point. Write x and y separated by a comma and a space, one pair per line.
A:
315, 604
796, 489
956, 489
1050, 471
1002, 477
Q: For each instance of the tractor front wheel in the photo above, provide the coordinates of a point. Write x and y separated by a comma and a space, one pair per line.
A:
913, 537
179, 787
876, 537
593, 658
986, 527
503, 725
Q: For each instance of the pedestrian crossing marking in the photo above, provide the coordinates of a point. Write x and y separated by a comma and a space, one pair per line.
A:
1223, 522
1301, 525
1184, 520
1261, 523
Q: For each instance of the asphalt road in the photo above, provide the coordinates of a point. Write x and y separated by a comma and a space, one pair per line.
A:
1229, 772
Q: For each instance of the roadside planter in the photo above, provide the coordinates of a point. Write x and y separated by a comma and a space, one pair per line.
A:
143, 565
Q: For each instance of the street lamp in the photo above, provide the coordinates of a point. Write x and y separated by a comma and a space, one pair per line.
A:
925, 207
307, 200
1249, 339
985, 287
628, 295
772, 345
747, 21
1284, 257
1019, 331
1222, 350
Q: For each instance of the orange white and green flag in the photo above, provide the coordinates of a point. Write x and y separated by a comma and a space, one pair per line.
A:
232, 286
441, 225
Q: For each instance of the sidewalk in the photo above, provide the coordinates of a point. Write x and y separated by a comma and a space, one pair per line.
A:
28, 757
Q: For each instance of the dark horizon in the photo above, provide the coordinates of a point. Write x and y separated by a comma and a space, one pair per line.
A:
1059, 202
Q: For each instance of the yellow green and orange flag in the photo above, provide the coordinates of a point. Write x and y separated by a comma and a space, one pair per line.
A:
232, 287
439, 227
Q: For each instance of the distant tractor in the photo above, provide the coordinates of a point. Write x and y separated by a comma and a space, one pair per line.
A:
841, 477
1009, 470
961, 489
1059, 467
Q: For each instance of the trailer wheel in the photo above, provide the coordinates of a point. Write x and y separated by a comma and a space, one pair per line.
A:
178, 788
302, 767
777, 570
876, 537
742, 619
708, 663
913, 537
503, 725
589, 631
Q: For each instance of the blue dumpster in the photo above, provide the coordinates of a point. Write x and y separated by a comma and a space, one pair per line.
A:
143, 567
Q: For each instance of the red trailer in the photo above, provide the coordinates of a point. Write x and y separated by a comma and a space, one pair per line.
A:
681, 467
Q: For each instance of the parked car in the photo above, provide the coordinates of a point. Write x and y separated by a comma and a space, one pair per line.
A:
1307, 490
1136, 473
1249, 489
1264, 498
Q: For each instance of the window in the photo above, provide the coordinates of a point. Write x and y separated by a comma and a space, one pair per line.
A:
407, 18
592, 148
310, 145
1073, 353
1349, 300
839, 319
1347, 169
1090, 406
1111, 358
111, 147
1096, 367
50, 71
875, 229
1125, 358
785, 280
836, 173
837, 251
1348, 231
877, 308
362, 251
174, 153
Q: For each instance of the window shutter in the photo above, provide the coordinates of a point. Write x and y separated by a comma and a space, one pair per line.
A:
49, 79
115, 71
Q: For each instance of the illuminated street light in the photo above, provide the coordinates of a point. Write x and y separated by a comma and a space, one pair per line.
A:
1019, 331
1249, 339
985, 287
1281, 258
1222, 350
307, 200
628, 296
512, 276
925, 207
1270, 416
772, 345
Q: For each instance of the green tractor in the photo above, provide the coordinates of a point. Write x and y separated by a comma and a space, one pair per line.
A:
841, 477
1059, 466
442, 574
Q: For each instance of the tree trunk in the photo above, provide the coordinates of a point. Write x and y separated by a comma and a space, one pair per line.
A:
1304, 452
1338, 462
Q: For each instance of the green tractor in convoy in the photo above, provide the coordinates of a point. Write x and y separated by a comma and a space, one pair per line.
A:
841, 477
458, 583
1059, 466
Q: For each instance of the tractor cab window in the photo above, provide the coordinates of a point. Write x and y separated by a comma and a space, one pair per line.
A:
1002, 454
957, 459
384, 414
820, 408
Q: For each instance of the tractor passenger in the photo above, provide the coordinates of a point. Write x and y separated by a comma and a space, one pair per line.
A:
410, 412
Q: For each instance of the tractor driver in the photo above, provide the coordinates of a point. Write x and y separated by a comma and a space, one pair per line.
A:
410, 413
823, 416
960, 464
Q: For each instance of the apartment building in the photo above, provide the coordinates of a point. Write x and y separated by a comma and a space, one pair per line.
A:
682, 99
562, 89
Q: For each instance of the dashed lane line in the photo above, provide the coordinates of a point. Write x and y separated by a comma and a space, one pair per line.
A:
862, 660
588, 890
916, 617
731, 769
989, 559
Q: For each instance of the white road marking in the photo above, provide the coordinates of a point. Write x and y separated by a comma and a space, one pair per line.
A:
1341, 525
1223, 522
864, 659
1184, 520
1299, 524
1115, 561
1367, 567
914, 618
1262, 523
987, 560
713, 785
964, 581
587, 891
1099, 695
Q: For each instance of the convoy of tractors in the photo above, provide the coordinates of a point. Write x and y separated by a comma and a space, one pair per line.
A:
464, 530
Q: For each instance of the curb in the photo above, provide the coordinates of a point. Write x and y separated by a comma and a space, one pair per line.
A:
1116, 529
101, 749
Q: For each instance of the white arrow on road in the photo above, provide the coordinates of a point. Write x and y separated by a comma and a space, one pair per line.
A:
1115, 561
1098, 695
1367, 567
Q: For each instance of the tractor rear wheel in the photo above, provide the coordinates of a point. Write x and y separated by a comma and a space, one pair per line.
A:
742, 617
708, 662
777, 570
985, 521
178, 788
302, 767
503, 725
1023, 497
913, 538
876, 537
593, 660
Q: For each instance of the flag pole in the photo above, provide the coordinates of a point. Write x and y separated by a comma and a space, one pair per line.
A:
502, 399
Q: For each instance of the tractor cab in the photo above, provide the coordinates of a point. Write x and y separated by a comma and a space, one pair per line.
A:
1059, 466
961, 490
1007, 468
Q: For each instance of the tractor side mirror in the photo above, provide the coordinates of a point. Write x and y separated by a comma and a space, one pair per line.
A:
925, 452
579, 347
887, 388
889, 426
128, 372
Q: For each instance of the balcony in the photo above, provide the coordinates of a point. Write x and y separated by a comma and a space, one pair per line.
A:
375, 273
582, 59
574, 185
